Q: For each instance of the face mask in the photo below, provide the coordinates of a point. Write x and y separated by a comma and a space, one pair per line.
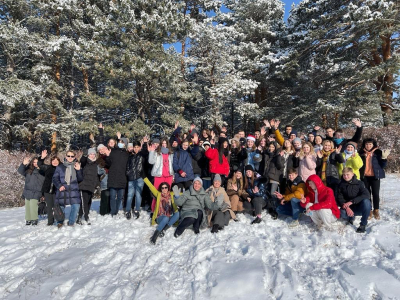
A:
121, 145
348, 152
338, 141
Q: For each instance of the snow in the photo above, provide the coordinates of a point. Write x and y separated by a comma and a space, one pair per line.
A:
113, 259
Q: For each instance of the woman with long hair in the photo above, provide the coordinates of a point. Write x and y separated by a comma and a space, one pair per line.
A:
32, 188
307, 160
218, 160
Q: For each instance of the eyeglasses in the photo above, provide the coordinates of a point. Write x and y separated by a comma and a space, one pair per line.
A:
164, 188
70, 155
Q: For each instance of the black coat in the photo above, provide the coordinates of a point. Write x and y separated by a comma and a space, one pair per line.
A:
274, 164
237, 159
117, 168
353, 190
331, 172
378, 164
135, 168
48, 171
195, 152
90, 177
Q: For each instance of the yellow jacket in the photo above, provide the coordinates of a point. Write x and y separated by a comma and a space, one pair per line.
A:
157, 195
352, 162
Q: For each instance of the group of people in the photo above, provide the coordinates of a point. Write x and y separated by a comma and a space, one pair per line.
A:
196, 179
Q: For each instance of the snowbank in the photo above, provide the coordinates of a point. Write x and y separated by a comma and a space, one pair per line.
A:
113, 259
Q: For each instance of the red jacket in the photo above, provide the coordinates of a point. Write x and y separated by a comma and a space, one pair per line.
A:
326, 198
215, 166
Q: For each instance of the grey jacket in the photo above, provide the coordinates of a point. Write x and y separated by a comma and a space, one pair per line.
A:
157, 161
191, 201
33, 183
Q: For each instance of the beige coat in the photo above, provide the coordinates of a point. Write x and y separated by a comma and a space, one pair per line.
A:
221, 193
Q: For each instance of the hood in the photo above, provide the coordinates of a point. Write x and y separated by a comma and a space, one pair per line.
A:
318, 182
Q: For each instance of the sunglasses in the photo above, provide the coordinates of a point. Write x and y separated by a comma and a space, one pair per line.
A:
164, 188
70, 155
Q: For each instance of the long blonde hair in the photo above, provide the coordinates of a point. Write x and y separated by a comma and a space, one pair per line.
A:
312, 151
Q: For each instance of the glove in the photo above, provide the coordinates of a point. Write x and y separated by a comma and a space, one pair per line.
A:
385, 153
175, 189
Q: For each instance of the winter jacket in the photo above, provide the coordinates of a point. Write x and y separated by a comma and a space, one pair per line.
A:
215, 166
183, 163
356, 138
90, 177
237, 159
241, 192
135, 167
253, 158
191, 200
274, 165
290, 162
157, 161
295, 189
157, 195
33, 182
48, 171
353, 191
71, 194
219, 197
326, 199
262, 192
307, 166
204, 164
331, 172
117, 168
196, 155
103, 173
352, 162
378, 164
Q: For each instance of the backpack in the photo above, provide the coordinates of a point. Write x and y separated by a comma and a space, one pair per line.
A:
42, 208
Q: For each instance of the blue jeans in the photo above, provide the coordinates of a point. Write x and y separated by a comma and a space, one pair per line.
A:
362, 209
135, 187
164, 220
291, 208
72, 215
116, 203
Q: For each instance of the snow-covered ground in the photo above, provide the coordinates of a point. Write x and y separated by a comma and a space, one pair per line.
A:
113, 259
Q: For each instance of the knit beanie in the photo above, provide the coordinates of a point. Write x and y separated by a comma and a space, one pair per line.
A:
249, 167
91, 151
217, 177
198, 179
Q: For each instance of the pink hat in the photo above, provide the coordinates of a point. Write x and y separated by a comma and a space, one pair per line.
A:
251, 138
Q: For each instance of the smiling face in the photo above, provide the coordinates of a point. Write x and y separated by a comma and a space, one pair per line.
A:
347, 176
350, 149
271, 148
70, 156
249, 173
239, 174
306, 149
217, 183
292, 176
250, 143
197, 185
55, 162
185, 145
369, 146
318, 140
327, 146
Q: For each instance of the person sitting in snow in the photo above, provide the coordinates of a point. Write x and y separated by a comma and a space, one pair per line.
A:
290, 202
320, 202
353, 198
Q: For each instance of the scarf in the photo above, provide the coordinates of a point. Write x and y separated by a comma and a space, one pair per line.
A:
369, 171
286, 157
338, 141
165, 208
164, 150
325, 157
70, 173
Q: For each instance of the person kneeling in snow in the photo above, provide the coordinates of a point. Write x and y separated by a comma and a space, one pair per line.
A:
320, 202
192, 202
165, 211
290, 202
219, 218
353, 193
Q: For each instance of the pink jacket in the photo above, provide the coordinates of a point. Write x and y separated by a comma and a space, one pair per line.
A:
307, 166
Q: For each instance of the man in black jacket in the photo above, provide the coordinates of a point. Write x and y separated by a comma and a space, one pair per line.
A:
353, 199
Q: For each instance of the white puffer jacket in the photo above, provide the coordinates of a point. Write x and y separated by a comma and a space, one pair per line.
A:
157, 161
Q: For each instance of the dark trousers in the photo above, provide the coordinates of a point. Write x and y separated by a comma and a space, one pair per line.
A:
85, 204
105, 202
360, 209
49, 198
186, 222
255, 204
373, 185
220, 218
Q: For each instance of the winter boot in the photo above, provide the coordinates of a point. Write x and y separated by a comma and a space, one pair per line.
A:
370, 215
361, 229
34, 222
162, 233
154, 237
256, 220
273, 213
215, 228
376, 214
79, 221
128, 215
137, 214
60, 225
28, 222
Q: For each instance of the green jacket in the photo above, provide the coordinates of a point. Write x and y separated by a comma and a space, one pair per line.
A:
191, 201
157, 195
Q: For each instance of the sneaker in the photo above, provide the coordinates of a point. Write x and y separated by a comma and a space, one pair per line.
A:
361, 229
256, 220
128, 215
137, 214
294, 223
28, 222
